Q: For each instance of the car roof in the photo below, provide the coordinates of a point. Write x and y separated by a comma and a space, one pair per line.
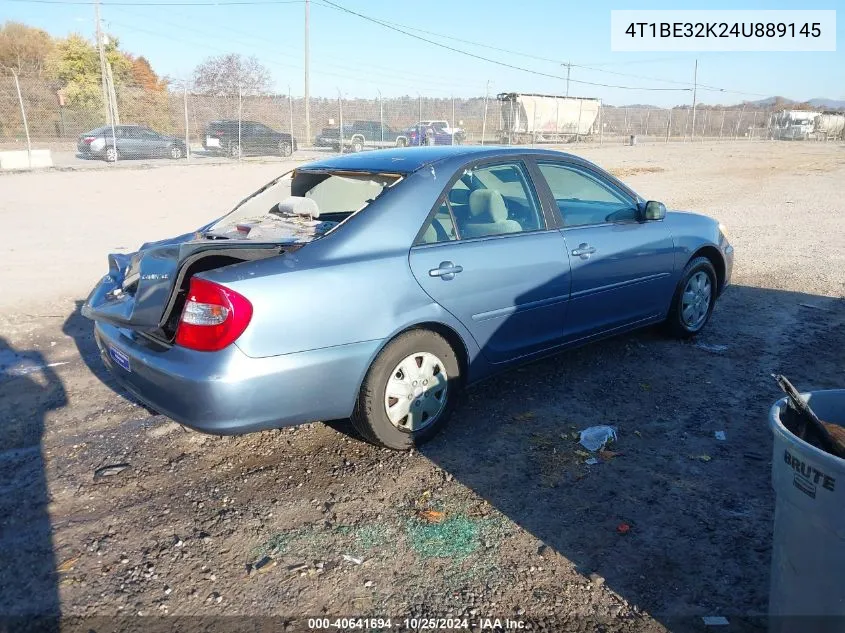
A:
409, 159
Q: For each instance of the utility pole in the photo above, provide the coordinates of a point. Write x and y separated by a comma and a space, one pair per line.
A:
568, 70
694, 90
484, 123
101, 53
104, 76
307, 81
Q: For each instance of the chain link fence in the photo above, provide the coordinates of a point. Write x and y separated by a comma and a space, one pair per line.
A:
237, 126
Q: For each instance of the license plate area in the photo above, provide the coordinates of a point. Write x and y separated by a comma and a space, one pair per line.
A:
119, 358
210, 141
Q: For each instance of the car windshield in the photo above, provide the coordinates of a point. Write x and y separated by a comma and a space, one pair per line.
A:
301, 206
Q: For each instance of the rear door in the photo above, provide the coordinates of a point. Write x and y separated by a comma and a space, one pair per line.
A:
152, 144
496, 262
621, 266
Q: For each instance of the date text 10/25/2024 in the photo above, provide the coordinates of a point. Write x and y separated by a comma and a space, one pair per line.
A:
416, 624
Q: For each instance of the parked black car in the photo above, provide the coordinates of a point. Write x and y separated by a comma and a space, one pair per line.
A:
133, 141
222, 137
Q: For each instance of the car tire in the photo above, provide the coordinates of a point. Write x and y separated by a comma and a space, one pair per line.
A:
401, 142
175, 152
694, 299
111, 155
285, 148
417, 374
234, 150
357, 146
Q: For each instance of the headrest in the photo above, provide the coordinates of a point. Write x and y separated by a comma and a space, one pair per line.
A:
487, 204
297, 205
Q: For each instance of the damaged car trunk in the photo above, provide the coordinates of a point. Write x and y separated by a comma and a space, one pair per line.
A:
147, 290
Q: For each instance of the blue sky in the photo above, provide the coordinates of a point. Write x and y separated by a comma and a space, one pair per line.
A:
358, 58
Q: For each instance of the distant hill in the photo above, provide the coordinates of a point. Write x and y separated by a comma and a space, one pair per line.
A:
831, 104
821, 103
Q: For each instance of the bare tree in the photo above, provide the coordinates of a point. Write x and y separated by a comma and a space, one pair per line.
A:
229, 74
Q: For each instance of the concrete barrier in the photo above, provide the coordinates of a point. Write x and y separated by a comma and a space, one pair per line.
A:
20, 159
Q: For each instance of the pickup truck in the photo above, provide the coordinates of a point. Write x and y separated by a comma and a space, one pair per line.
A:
360, 135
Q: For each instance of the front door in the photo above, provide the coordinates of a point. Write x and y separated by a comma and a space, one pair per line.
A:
621, 266
492, 261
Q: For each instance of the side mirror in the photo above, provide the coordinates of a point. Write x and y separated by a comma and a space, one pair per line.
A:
653, 210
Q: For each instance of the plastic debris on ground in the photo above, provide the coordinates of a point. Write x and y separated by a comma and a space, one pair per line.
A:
353, 559
608, 455
720, 435
623, 528
432, 516
108, 471
592, 461
715, 620
711, 347
595, 437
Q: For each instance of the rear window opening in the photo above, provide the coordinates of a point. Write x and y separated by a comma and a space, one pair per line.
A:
301, 206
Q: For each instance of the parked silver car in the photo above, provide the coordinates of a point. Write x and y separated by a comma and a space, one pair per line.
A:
129, 141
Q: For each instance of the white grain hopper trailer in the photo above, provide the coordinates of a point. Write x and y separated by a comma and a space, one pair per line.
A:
829, 125
536, 118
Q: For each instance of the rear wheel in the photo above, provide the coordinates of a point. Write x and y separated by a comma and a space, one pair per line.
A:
111, 155
694, 299
357, 145
175, 152
285, 148
409, 391
401, 142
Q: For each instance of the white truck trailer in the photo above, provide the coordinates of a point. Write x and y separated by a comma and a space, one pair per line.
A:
536, 118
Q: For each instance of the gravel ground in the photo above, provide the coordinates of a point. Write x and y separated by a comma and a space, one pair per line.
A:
498, 517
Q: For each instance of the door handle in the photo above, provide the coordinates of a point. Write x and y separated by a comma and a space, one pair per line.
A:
446, 271
584, 250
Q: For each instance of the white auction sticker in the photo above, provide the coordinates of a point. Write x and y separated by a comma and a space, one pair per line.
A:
723, 30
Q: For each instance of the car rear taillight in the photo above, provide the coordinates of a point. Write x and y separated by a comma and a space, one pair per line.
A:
213, 317
88, 139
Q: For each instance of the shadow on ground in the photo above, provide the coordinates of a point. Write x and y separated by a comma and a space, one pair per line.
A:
699, 510
29, 389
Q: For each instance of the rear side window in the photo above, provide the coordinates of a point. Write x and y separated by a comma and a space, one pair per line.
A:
441, 228
585, 199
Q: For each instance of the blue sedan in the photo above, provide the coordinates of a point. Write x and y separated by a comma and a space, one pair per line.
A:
376, 286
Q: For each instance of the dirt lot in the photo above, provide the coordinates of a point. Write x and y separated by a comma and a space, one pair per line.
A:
311, 521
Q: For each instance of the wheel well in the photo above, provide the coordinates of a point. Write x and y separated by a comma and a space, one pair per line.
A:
712, 253
452, 337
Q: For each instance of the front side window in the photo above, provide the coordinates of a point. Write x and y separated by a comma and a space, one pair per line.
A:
584, 199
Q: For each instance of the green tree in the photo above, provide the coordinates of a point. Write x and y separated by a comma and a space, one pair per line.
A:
75, 64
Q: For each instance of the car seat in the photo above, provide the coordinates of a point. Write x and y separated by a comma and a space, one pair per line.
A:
488, 215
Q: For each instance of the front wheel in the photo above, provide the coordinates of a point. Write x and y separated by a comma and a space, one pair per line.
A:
694, 299
409, 391
401, 142
234, 150
175, 152
357, 146
285, 148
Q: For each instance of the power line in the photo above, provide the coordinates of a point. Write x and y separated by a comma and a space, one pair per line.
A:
160, 4
400, 28
329, 3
